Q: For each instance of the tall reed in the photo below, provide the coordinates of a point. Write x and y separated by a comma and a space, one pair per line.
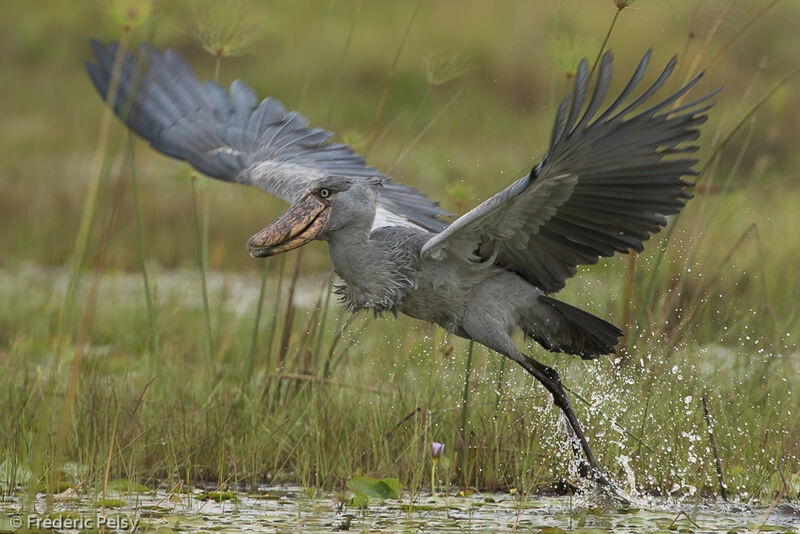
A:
96, 178
151, 311
649, 291
202, 261
129, 18
266, 267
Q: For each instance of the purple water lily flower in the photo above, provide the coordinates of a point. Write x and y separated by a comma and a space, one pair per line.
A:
437, 448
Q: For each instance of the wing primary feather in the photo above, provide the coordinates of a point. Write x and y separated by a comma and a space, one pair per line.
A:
692, 104
600, 89
578, 96
182, 69
650, 90
603, 187
268, 113
674, 97
558, 126
586, 250
592, 235
622, 207
630, 87
635, 197
617, 225
102, 53
280, 128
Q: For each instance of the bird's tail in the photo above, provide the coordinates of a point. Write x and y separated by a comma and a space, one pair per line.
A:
559, 327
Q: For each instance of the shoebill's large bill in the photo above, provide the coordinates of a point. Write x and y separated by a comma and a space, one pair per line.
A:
607, 183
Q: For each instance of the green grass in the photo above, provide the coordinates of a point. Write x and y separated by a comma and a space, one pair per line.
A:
721, 321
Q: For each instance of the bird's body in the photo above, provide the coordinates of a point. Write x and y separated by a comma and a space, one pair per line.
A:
606, 185
384, 271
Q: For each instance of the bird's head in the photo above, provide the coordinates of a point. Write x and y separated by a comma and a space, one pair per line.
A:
331, 204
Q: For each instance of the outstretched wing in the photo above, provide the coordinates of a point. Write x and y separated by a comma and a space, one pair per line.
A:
605, 186
231, 136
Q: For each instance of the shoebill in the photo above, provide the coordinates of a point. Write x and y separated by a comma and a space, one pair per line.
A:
610, 178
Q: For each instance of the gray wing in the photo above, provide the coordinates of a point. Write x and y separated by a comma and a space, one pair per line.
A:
605, 186
231, 136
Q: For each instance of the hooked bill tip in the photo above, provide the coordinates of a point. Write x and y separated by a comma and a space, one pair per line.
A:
298, 225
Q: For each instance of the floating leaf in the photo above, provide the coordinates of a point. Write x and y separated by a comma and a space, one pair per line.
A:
765, 528
389, 487
217, 496
359, 501
124, 485
110, 503
385, 488
7, 524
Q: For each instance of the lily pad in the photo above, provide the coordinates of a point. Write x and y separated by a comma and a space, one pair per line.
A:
8, 524
110, 503
422, 508
765, 528
385, 488
217, 496
59, 486
359, 501
124, 485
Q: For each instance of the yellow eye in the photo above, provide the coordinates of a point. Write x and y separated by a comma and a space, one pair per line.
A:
324, 193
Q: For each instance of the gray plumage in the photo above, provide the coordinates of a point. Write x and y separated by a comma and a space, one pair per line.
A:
229, 135
604, 186
607, 183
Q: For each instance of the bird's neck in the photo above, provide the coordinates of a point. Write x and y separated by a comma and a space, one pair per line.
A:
365, 267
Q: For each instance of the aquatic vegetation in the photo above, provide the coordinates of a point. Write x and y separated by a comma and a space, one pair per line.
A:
292, 510
437, 449
217, 496
365, 487
442, 68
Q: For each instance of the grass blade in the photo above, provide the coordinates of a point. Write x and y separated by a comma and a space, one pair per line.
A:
648, 292
151, 311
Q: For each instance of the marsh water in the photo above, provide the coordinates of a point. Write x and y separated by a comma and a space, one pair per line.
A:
294, 509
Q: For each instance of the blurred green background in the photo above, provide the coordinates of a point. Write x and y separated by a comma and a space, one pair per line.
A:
518, 52
719, 318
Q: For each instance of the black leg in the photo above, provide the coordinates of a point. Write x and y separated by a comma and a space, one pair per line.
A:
584, 469
550, 380
499, 341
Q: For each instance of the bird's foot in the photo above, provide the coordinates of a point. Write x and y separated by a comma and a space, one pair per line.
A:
609, 493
